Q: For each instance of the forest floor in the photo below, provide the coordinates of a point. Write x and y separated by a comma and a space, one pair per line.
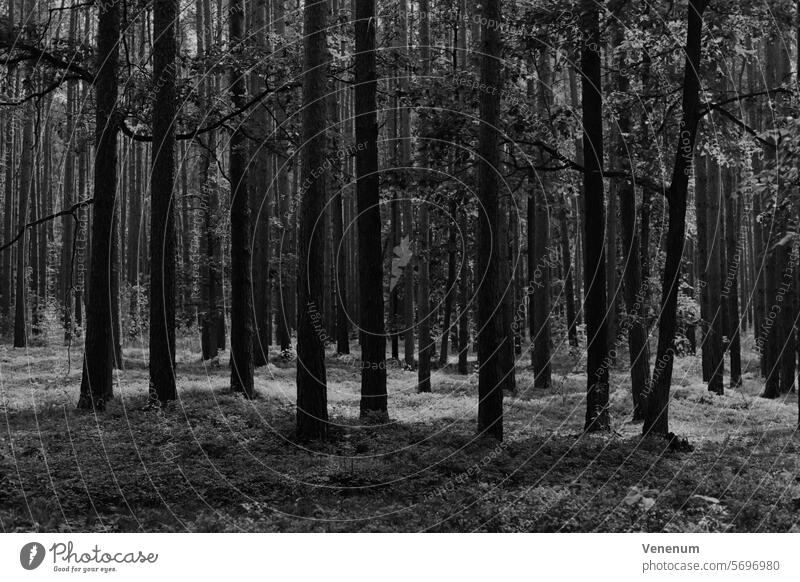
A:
213, 461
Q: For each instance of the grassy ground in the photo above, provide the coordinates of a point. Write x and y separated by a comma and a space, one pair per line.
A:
215, 462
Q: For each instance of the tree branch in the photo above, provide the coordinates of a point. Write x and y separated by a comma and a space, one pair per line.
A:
69, 211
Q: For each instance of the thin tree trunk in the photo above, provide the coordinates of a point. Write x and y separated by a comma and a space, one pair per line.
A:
730, 290
450, 289
714, 239
241, 238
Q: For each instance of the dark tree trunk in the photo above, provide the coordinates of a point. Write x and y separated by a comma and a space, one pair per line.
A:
68, 223
701, 258
424, 315
788, 356
370, 256
463, 299
730, 291
656, 402
312, 398
241, 238
450, 288
27, 192
6, 275
96, 383
162, 214
260, 193
539, 261
597, 417
714, 239
569, 287
489, 274
634, 292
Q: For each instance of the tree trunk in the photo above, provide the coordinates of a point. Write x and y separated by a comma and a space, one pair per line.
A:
633, 291
240, 246
162, 215
539, 262
569, 287
730, 290
490, 287
656, 401
370, 257
260, 193
597, 417
463, 298
312, 399
450, 289
714, 240
96, 383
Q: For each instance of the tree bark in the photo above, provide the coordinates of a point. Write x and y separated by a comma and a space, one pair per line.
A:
597, 401
162, 214
491, 285
656, 401
241, 237
312, 399
370, 256
96, 383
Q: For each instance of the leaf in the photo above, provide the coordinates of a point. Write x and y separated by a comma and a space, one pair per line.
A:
648, 503
706, 498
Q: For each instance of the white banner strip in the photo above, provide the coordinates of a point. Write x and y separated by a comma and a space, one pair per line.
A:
401, 557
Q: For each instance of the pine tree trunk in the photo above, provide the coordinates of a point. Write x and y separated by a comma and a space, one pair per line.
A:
96, 383
489, 273
597, 417
634, 292
714, 240
656, 401
370, 257
27, 193
463, 298
162, 214
730, 290
450, 289
260, 192
6, 274
539, 208
569, 286
240, 247
284, 196
312, 399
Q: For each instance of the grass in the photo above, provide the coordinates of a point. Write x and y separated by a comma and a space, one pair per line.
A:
213, 461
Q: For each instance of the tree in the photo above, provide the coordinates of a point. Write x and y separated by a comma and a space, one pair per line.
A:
96, 382
656, 400
489, 276
370, 257
730, 290
426, 344
162, 214
241, 239
633, 291
539, 209
597, 417
312, 397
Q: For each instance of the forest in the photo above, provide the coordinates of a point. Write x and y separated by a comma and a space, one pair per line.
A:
399, 265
